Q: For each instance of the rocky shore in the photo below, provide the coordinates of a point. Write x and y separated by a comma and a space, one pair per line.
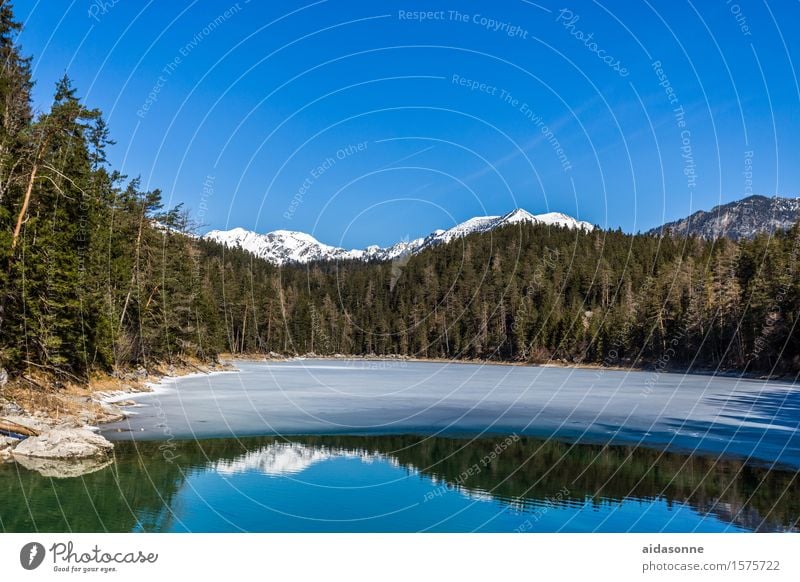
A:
62, 449
52, 427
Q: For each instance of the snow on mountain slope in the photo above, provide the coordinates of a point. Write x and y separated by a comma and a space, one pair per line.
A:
280, 246
286, 246
559, 219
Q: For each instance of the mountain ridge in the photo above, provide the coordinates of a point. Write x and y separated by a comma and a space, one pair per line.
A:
283, 247
738, 219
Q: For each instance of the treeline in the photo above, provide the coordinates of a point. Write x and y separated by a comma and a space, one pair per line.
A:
89, 276
96, 275
533, 293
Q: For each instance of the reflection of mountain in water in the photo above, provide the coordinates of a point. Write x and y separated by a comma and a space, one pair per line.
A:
531, 471
281, 458
139, 491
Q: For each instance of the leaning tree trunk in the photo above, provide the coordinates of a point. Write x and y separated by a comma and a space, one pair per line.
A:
25, 203
23, 211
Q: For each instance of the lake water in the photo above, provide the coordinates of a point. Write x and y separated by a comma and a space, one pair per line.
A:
398, 446
401, 483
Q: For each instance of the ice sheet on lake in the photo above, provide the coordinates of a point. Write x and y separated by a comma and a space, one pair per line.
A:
720, 415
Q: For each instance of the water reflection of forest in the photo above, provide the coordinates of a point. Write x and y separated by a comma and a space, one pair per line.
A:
136, 493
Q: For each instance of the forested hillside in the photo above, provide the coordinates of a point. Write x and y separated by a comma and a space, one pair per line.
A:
96, 275
530, 293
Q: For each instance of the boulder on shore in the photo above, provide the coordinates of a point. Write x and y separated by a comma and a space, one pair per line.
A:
64, 443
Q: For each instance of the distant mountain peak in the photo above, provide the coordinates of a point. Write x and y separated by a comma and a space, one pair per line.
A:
287, 246
518, 215
736, 220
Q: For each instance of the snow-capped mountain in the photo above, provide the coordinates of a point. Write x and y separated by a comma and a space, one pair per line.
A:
286, 246
740, 219
279, 246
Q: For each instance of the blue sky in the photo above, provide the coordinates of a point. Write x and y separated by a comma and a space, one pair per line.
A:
363, 123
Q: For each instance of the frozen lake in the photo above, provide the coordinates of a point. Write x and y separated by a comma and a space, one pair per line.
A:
389, 446
753, 420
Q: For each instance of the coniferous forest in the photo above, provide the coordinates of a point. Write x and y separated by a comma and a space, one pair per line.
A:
97, 275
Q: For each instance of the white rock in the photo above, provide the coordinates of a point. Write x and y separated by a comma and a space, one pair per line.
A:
64, 443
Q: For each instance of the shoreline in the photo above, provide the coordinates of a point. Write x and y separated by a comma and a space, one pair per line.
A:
53, 427
99, 401
152, 385
260, 357
66, 416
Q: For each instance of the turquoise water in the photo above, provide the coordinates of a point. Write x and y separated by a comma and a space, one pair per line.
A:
401, 484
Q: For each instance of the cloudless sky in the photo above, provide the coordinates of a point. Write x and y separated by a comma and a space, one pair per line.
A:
251, 113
